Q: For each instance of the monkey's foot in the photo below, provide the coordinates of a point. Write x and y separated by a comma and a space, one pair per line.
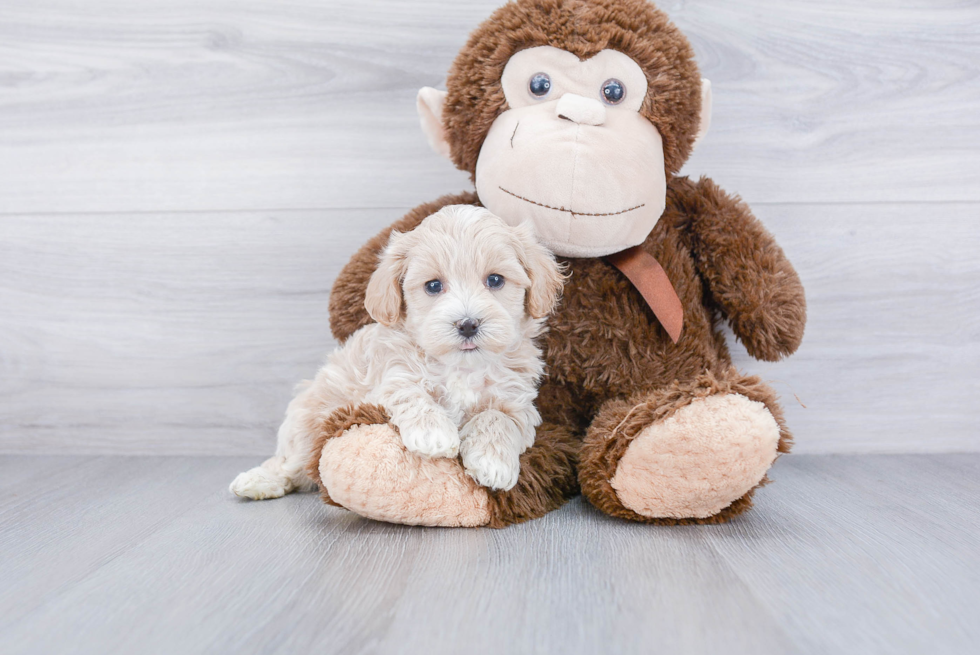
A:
700, 460
362, 465
682, 455
369, 471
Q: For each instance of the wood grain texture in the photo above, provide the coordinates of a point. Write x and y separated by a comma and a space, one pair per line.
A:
184, 333
246, 105
842, 555
180, 334
873, 542
122, 332
75, 514
160, 292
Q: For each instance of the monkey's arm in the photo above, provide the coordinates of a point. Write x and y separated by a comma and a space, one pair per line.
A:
745, 270
347, 313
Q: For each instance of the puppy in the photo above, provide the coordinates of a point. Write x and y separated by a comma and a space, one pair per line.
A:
457, 302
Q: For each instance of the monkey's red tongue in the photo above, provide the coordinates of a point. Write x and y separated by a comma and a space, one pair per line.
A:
649, 278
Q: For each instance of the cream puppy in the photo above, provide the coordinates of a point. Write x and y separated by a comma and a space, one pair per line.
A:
458, 302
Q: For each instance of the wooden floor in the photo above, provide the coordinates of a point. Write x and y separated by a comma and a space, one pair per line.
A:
843, 554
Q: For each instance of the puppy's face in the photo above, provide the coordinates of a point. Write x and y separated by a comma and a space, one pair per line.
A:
464, 282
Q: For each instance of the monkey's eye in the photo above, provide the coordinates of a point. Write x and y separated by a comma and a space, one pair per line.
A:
613, 91
433, 287
539, 85
495, 281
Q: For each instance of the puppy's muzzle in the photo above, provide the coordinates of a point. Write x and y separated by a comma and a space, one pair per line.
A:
468, 327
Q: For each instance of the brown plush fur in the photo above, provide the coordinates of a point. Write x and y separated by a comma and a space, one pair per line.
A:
546, 481
633, 27
606, 352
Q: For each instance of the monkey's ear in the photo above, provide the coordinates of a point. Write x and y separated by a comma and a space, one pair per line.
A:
429, 104
705, 112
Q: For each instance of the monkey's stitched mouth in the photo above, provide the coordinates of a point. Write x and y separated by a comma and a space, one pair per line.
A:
570, 211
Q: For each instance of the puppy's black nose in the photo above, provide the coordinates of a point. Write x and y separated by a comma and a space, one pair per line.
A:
468, 327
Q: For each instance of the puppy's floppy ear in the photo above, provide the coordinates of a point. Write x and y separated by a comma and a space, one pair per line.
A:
383, 298
546, 274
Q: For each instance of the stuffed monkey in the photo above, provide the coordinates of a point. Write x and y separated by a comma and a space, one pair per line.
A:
577, 116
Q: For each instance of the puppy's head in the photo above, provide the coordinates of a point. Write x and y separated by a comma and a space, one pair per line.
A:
464, 281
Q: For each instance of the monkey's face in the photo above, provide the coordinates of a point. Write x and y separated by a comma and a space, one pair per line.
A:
572, 154
572, 116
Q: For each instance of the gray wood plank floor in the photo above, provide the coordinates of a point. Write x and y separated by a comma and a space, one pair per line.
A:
861, 554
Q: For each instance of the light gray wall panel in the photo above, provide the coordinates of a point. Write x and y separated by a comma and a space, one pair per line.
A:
246, 105
177, 182
184, 333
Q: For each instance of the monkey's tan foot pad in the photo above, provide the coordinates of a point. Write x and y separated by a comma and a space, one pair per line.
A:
699, 460
368, 471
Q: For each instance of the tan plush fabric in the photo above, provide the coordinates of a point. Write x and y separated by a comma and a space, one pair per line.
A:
695, 462
368, 471
588, 191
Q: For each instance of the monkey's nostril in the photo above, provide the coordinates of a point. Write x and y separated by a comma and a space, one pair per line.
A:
468, 327
583, 111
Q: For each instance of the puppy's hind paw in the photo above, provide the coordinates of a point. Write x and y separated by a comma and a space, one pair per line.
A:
258, 484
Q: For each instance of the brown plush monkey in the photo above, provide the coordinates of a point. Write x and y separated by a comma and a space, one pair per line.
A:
577, 116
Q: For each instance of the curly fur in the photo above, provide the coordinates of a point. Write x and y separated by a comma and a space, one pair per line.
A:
546, 482
456, 369
347, 312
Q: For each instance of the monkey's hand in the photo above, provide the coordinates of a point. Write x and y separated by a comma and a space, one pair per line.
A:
745, 270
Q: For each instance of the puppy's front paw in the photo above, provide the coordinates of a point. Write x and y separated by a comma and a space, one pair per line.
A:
258, 484
432, 436
491, 450
493, 470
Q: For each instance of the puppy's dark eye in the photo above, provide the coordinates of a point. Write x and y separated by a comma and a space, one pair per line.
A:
433, 287
613, 92
539, 85
495, 281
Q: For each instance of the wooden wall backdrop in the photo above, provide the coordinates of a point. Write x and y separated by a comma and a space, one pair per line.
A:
180, 181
